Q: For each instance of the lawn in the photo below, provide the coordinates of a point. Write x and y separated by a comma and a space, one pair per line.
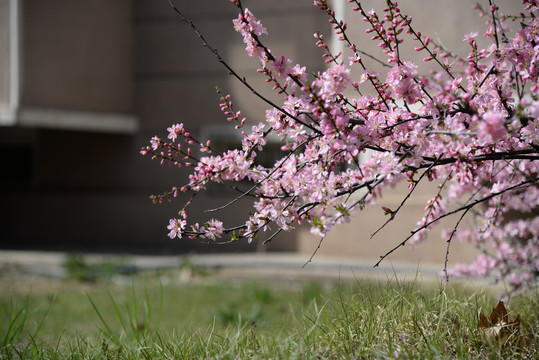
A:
164, 315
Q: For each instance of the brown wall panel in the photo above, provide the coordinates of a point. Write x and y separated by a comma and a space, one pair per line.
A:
78, 55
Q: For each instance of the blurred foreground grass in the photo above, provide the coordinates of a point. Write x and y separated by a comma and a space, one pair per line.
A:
170, 315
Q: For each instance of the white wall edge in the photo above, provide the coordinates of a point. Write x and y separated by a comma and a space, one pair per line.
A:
14, 53
8, 116
336, 45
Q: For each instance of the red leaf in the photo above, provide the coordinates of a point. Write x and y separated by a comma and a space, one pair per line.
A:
497, 327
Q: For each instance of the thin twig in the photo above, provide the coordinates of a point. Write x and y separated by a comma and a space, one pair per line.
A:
446, 275
462, 208
314, 253
394, 213
234, 73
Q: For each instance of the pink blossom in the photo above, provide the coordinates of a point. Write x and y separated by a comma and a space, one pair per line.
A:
155, 142
491, 127
533, 110
176, 227
530, 132
248, 26
174, 130
297, 72
402, 79
255, 26
213, 229
281, 67
333, 81
276, 119
256, 140
471, 37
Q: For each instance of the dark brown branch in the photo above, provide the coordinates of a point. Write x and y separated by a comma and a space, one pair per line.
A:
526, 154
446, 275
462, 208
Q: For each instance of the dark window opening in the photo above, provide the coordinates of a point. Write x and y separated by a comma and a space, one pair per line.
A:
17, 164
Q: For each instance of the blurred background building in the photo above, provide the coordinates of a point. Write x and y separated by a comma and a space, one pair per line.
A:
85, 84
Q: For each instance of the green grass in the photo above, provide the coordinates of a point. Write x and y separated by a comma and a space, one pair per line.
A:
153, 315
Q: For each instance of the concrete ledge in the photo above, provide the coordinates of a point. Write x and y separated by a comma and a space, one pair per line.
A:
273, 267
77, 120
8, 116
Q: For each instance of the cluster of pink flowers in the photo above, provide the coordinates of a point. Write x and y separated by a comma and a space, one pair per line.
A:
473, 128
403, 80
251, 28
492, 127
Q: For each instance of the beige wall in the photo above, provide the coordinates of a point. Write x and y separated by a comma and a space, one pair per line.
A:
354, 238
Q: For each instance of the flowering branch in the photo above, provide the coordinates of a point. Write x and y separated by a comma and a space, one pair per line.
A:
464, 208
472, 125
